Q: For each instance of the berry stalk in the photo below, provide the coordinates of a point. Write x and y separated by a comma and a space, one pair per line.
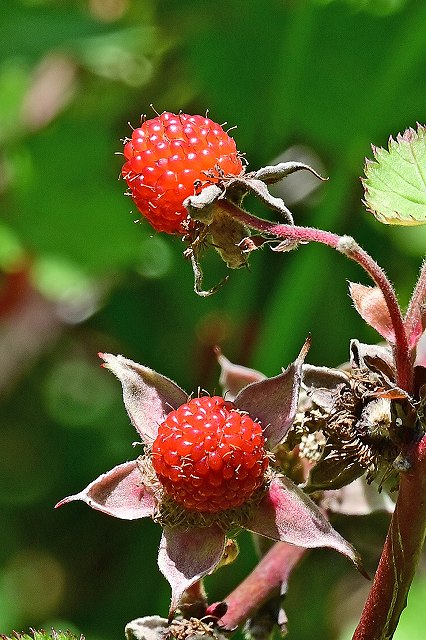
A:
272, 571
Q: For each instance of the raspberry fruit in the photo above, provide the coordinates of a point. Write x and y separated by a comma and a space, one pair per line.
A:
208, 456
169, 158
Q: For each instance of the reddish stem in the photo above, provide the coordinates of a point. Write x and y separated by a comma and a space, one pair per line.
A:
266, 578
388, 595
402, 351
351, 249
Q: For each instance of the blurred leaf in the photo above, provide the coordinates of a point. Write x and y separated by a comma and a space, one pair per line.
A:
125, 55
30, 31
11, 251
36, 579
395, 187
155, 257
70, 202
14, 80
411, 240
78, 394
58, 278
18, 488
377, 7
411, 624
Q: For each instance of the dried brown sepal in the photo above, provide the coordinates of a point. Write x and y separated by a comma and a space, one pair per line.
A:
214, 225
249, 184
275, 173
334, 470
199, 276
226, 235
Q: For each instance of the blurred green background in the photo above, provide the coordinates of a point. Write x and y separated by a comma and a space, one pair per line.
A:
316, 79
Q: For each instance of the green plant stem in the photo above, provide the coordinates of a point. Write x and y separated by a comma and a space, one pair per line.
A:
397, 565
348, 246
266, 579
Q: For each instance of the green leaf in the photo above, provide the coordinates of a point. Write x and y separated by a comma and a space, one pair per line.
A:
42, 635
395, 187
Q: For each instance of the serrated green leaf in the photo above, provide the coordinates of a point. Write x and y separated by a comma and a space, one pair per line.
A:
395, 184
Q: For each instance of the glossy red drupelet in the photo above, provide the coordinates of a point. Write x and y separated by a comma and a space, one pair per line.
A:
208, 456
166, 156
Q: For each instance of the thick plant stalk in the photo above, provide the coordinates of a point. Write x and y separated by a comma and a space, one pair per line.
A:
388, 595
266, 579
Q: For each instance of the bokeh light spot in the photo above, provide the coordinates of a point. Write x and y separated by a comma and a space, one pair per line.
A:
78, 394
35, 579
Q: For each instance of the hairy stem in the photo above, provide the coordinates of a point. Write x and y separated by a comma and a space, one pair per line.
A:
352, 250
388, 595
402, 351
265, 580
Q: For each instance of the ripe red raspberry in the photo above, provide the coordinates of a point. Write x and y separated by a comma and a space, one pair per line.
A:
166, 156
208, 456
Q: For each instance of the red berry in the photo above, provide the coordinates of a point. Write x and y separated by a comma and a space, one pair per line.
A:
208, 456
166, 156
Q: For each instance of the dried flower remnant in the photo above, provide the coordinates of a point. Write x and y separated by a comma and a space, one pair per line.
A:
157, 628
363, 416
305, 442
